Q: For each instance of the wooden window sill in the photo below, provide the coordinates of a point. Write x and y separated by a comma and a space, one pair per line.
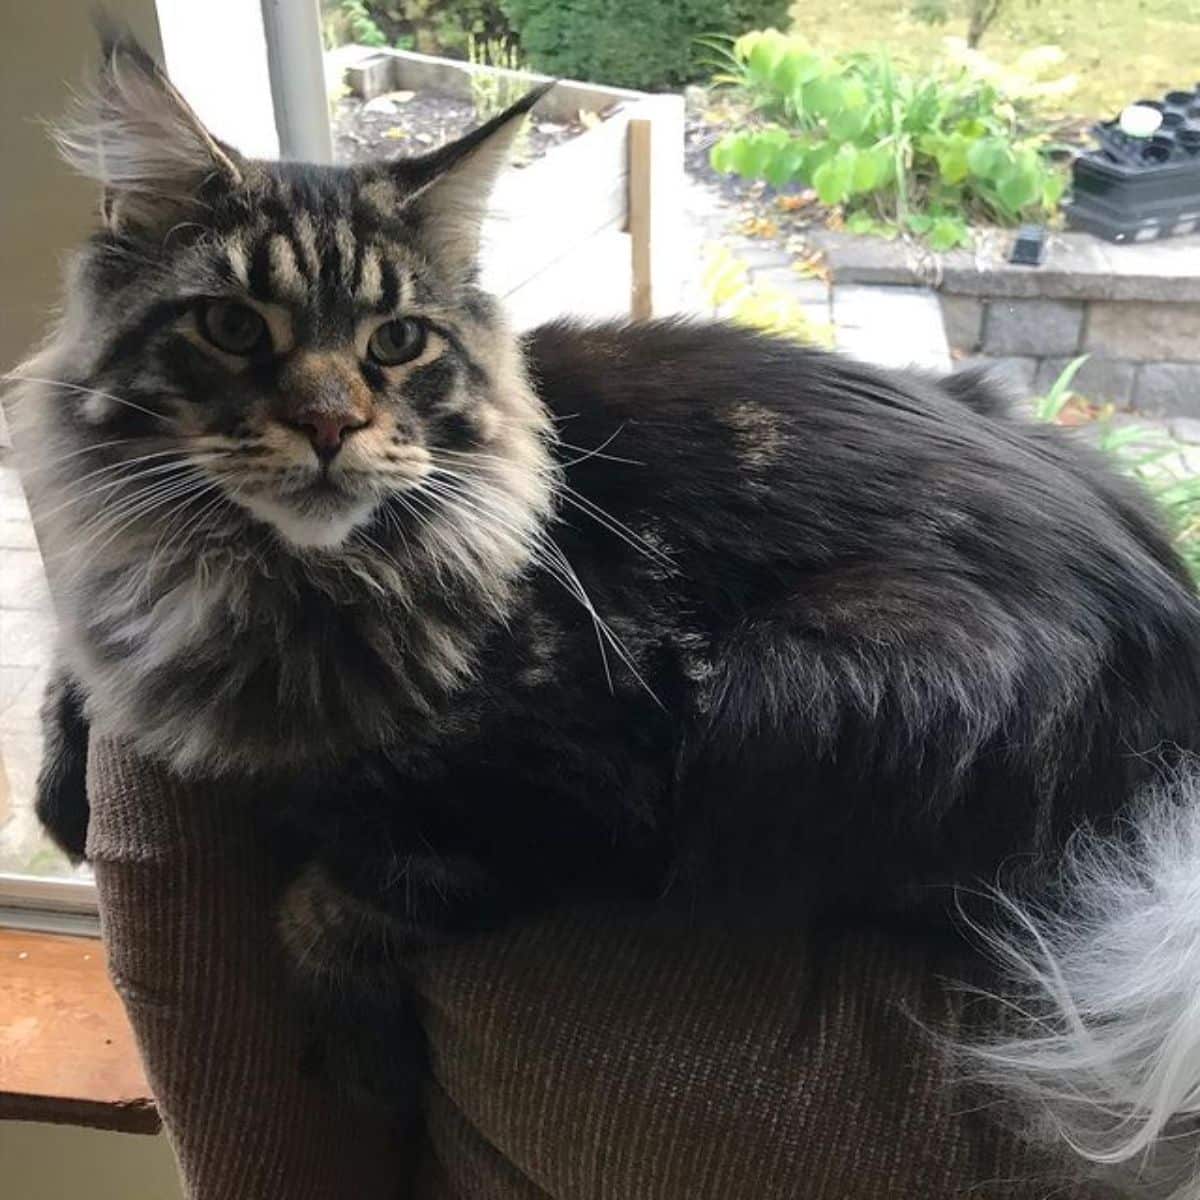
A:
67, 1053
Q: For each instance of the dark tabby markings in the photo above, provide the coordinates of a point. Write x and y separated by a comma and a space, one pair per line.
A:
429, 386
390, 286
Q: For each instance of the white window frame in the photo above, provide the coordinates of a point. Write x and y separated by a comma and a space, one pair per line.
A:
49, 904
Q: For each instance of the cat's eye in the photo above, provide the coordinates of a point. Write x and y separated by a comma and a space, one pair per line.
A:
233, 327
396, 342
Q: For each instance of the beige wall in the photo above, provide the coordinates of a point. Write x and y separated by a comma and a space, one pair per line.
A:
52, 1162
45, 47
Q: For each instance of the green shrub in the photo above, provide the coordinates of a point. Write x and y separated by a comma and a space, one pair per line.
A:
350, 21
431, 26
926, 153
447, 26
630, 43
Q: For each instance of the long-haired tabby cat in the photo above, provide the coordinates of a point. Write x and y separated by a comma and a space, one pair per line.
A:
606, 610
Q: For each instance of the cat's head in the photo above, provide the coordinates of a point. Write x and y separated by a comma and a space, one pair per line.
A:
298, 347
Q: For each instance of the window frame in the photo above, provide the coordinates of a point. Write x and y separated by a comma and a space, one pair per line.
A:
49, 904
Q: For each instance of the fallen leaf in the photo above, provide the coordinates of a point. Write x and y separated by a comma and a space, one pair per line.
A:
811, 264
796, 202
395, 132
759, 227
589, 119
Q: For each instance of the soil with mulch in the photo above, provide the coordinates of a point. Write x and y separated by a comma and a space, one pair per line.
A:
756, 209
401, 124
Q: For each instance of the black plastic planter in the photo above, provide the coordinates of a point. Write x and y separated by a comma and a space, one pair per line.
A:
1135, 189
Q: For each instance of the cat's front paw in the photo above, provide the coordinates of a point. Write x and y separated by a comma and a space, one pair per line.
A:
336, 942
347, 957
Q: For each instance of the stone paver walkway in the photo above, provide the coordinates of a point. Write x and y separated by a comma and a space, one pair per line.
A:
894, 326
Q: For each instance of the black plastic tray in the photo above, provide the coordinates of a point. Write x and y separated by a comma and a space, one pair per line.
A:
1138, 189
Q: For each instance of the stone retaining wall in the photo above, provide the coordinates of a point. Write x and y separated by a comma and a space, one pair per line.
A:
1134, 310
1142, 354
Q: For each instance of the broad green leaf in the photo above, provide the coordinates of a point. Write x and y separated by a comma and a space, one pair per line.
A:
972, 128
952, 158
989, 158
823, 96
794, 70
948, 232
779, 168
1018, 188
1053, 187
833, 179
764, 55
869, 168
721, 155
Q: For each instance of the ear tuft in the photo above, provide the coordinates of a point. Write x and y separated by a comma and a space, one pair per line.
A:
448, 189
134, 134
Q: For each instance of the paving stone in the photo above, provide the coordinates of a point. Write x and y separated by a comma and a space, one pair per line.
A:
962, 317
891, 326
1105, 379
820, 313
808, 291
870, 260
1172, 389
860, 306
886, 349
1032, 327
21, 698
1167, 270
1145, 331
22, 758
23, 581
1186, 429
758, 255
26, 638
1076, 266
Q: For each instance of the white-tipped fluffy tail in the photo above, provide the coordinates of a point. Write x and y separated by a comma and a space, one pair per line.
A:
1108, 1059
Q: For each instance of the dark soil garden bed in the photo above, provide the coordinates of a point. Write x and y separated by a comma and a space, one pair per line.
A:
399, 124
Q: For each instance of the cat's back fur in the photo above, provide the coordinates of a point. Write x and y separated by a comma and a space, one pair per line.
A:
887, 599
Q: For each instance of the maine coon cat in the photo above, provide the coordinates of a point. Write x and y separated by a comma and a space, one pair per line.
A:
639, 610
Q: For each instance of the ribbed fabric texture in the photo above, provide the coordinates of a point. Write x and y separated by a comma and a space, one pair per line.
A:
595, 1056
603, 1058
186, 906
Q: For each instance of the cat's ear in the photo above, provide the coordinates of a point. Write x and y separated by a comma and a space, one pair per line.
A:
139, 139
447, 190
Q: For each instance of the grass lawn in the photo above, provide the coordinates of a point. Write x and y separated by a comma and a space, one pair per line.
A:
1122, 50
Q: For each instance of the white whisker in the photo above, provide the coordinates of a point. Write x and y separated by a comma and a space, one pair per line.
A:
78, 387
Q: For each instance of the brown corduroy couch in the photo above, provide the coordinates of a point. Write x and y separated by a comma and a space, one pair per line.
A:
586, 1057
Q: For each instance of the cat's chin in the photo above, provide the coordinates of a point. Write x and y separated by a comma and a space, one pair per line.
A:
312, 527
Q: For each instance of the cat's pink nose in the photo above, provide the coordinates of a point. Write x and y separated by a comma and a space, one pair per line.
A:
327, 431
